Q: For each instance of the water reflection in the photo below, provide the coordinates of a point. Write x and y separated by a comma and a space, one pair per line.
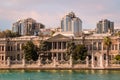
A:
59, 74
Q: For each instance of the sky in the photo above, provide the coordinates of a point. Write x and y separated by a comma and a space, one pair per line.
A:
50, 12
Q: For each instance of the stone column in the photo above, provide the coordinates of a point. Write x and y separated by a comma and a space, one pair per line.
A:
52, 56
101, 60
87, 62
106, 61
61, 56
71, 63
8, 61
39, 61
23, 62
52, 46
54, 62
118, 46
57, 56
96, 45
4, 48
103, 53
92, 60
92, 63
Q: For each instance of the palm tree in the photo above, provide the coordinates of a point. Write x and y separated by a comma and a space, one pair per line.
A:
107, 43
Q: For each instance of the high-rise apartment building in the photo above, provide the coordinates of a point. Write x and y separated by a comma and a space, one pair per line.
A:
27, 27
71, 23
105, 26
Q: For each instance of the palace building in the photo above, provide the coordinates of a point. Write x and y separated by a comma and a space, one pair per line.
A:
12, 47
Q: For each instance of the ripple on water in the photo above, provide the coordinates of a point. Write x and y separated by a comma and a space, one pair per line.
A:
59, 75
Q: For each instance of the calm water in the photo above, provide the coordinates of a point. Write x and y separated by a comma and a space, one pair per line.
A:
60, 75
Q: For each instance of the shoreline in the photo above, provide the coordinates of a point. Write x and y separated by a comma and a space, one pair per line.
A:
32, 68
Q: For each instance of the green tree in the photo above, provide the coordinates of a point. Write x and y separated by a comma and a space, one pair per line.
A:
107, 44
117, 34
77, 51
44, 47
117, 57
70, 48
8, 33
80, 52
30, 51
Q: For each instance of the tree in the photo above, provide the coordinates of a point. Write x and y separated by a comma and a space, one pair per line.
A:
117, 57
30, 51
77, 51
44, 47
70, 48
117, 34
80, 52
107, 43
8, 33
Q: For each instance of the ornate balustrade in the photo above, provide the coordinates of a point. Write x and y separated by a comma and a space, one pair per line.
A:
55, 63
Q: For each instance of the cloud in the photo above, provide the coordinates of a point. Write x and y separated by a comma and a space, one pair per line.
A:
50, 12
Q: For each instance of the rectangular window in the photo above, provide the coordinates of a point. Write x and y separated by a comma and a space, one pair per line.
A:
59, 45
99, 46
115, 46
90, 46
2, 48
55, 45
64, 45
2, 57
11, 48
18, 47
119, 46
8, 48
94, 46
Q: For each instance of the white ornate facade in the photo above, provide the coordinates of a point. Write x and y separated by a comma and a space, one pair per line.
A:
11, 47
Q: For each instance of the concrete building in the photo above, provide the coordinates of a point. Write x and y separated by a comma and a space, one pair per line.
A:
105, 26
27, 27
71, 24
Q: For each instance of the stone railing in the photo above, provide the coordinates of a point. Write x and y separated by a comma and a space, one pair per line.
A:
43, 63
57, 64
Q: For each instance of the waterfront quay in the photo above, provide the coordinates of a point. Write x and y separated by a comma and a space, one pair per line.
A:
56, 65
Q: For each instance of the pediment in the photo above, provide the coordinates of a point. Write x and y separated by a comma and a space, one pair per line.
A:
58, 37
